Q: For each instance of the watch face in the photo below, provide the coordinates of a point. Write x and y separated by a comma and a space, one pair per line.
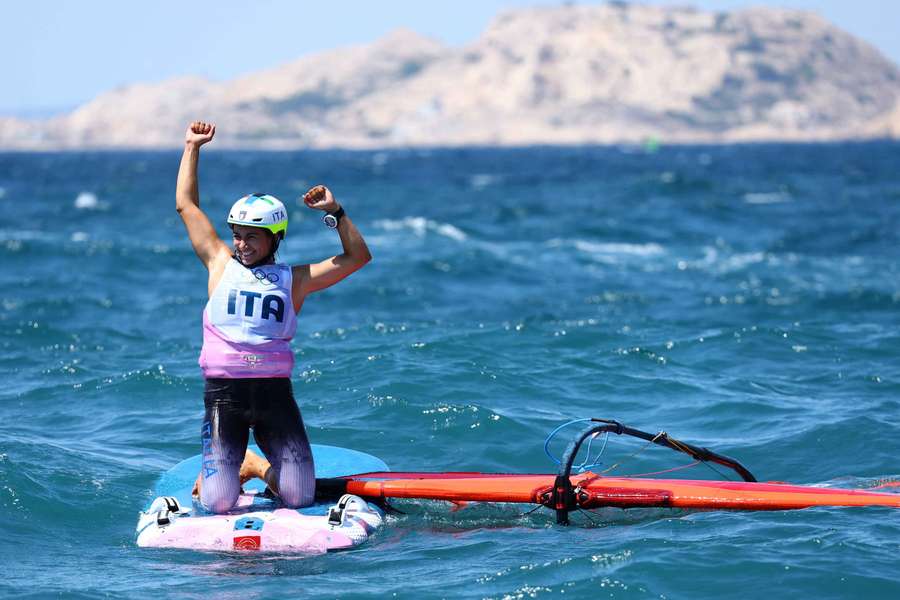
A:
330, 221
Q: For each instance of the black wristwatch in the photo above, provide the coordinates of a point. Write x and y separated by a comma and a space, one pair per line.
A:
332, 219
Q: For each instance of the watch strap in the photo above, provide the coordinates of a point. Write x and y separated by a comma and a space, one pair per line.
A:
332, 220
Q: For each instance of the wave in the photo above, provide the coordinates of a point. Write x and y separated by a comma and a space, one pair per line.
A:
420, 226
721, 262
609, 252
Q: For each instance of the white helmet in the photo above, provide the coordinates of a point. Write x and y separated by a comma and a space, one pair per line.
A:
260, 210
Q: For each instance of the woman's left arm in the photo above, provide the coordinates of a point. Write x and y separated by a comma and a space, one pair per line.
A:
314, 277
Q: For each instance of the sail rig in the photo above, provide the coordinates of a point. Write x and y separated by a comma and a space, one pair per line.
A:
564, 491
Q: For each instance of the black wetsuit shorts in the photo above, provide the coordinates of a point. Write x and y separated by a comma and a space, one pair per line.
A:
267, 405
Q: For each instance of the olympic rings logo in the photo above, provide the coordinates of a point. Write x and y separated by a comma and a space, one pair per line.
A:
263, 276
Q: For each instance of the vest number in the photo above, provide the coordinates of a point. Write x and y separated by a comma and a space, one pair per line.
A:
272, 305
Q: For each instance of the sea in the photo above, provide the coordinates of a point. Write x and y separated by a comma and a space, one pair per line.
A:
744, 298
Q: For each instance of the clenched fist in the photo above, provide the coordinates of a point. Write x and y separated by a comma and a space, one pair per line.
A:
320, 198
198, 133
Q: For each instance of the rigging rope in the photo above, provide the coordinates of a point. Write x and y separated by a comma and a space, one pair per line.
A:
585, 464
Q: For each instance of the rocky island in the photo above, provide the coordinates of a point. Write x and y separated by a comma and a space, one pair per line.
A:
610, 73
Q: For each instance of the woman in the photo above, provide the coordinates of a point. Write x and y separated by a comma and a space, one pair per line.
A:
248, 323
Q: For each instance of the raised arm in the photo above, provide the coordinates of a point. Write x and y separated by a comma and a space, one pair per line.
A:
207, 244
318, 276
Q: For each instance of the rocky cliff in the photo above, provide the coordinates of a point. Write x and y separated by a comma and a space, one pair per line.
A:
556, 75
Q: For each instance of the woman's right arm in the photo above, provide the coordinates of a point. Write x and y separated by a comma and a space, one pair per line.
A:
210, 249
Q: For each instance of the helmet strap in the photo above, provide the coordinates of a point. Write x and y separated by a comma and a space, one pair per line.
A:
270, 259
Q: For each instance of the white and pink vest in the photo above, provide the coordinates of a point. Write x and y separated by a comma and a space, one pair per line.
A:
248, 324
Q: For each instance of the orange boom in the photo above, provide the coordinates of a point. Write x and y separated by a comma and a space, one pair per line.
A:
595, 491
564, 491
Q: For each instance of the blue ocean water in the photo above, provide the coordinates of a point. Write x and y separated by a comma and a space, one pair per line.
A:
744, 298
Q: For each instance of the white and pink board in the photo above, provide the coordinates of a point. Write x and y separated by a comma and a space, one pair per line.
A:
259, 523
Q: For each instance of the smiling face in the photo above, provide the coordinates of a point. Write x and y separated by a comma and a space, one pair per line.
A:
251, 244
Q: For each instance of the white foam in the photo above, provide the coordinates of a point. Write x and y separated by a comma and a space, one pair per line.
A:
739, 261
619, 248
715, 261
450, 231
479, 181
420, 226
767, 197
610, 253
86, 200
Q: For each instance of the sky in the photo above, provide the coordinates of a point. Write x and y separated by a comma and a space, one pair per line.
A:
55, 55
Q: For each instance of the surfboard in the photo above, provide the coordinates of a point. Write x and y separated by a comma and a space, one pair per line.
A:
259, 522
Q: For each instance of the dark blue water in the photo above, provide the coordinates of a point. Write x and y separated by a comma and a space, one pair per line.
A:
741, 298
